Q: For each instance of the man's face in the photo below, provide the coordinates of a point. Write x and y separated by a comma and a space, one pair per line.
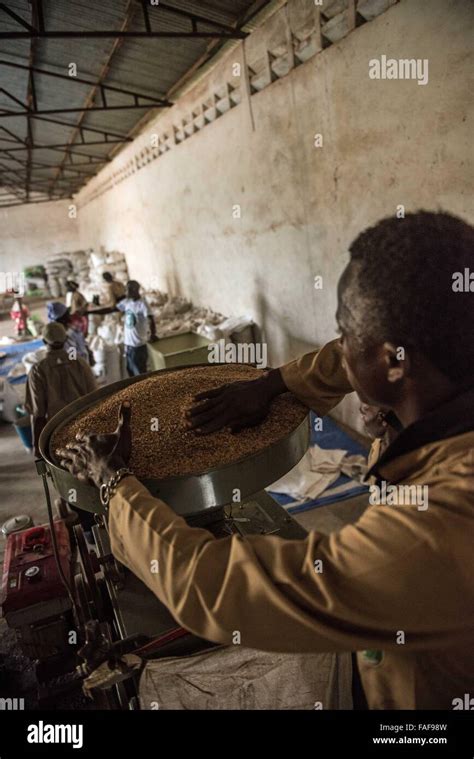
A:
132, 292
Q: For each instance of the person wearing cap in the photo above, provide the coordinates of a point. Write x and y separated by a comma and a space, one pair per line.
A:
75, 340
55, 381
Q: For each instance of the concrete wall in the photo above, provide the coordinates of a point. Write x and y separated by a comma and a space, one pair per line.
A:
30, 233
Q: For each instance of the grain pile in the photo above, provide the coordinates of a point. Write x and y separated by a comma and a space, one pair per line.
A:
172, 450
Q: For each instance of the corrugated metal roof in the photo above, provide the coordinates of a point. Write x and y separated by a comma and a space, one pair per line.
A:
147, 66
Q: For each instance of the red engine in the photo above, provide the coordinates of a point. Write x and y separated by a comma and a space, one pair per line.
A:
34, 600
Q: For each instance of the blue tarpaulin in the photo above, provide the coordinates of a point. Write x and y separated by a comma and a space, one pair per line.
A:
15, 353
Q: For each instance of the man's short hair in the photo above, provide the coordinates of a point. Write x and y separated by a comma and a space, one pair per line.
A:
402, 271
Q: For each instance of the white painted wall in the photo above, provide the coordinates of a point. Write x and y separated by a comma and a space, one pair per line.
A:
29, 234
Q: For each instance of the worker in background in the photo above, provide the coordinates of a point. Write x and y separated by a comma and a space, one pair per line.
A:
397, 586
137, 322
56, 380
112, 291
52, 384
75, 340
19, 314
77, 304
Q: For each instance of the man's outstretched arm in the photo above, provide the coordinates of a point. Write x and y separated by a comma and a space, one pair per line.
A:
317, 379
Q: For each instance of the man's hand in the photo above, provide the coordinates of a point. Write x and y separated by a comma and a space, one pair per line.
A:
236, 405
98, 457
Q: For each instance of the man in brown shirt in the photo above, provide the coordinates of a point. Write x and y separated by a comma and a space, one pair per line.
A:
397, 586
55, 381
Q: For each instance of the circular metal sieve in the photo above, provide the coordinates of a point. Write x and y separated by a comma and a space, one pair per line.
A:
188, 494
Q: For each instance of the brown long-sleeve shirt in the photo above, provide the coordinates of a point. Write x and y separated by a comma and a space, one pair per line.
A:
398, 586
56, 381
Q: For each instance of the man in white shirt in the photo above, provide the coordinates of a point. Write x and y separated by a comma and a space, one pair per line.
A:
136, 323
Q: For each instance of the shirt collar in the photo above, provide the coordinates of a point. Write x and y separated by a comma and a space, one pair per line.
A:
453, 417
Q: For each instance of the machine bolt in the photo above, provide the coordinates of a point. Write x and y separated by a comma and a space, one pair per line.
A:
32, 572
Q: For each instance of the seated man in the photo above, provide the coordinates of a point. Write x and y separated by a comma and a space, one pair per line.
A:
397, 586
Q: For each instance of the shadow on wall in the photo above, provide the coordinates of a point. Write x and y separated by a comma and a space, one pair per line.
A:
284, 346
173, 285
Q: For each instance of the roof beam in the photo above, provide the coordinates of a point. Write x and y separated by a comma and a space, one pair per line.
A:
113, 34
17, 18
38, 29
41, 167
63, 145
213, 47
196, 18
15, 136
117, 44
4, 114
70, 125
80, 80
31, 98
39, 200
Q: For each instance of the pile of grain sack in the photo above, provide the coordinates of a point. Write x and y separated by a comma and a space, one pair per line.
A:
175, 315
99, 262
105, 333
60, 268
85, 268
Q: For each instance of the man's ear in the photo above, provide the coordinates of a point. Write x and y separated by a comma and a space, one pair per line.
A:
397, 361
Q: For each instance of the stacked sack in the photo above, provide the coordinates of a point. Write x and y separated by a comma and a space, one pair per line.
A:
107, 349
80, 264
175, 315
35, 280
59, 269
100, 262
